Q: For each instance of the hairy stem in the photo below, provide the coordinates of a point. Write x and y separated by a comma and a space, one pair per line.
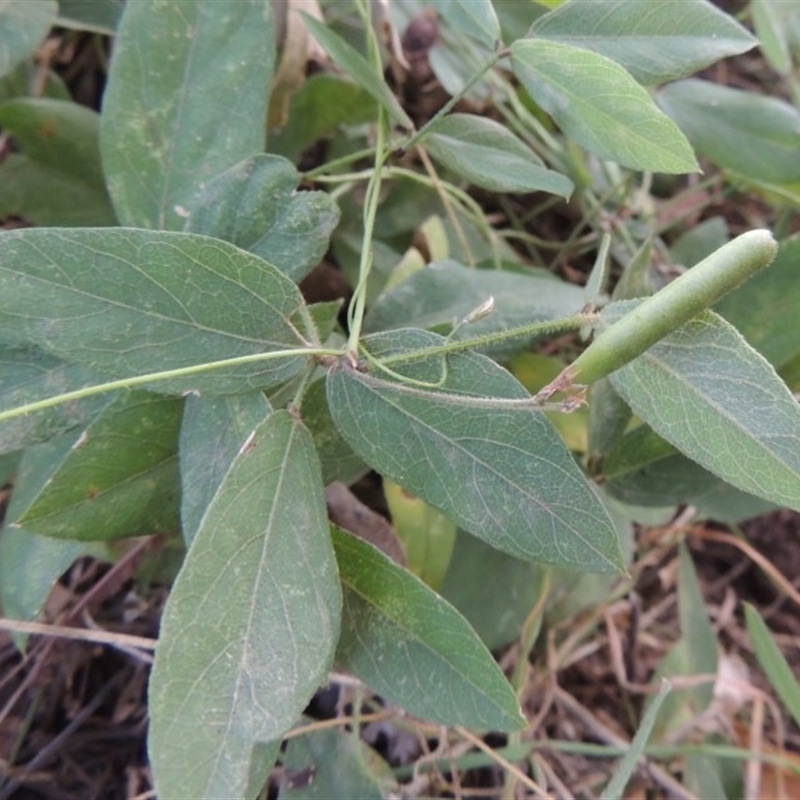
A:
155, 377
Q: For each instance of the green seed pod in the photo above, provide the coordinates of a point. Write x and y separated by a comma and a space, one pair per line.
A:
696, 290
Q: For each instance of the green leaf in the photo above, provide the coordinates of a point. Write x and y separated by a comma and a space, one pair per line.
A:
8, 466
622, 774
446, 292
490, 156
702, 776
256, 206
644, 470
597, 103
186, 99
494, 591
695, 653
25, 80
697, 243
29, 566
707, 392
598, 278
496, 468
635, 280
780, 674
474, 18
454, 71
411, 646
770, 21
696, 628
213, 431
515, 16
116, 477
98, 16
427, 535
58, 134
320, 105
576, 592
760, 309
57, 178
608, 418
249, 630
334, 764
358, 68
28, 374
325, 317
48, 197
130, 302
656, 41
23, 25
339, 462
749, 133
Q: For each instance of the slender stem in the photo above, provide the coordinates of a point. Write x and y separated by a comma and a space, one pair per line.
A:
447, 203
530, 633
456, 98
348, 177
305, 381
528, 636
164, 375
379, 365
467, 205
358, 305
522, 118
314, 174
531, 329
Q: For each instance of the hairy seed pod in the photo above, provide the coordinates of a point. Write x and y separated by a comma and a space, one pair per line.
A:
696, 290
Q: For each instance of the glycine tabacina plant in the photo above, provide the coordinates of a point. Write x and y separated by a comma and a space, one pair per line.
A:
162, 372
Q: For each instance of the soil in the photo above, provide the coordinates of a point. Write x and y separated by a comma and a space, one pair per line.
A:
74, 717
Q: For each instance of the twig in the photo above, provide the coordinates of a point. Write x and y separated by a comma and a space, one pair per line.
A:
121, 640
41, 758
605, 734
764, 563
503, 762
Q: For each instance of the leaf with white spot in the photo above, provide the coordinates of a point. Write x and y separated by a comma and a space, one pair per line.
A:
256, 205
249, 631
186, 99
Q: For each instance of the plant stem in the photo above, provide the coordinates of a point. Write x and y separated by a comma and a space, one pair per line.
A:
358, 305
548, 327
456, 98
467, 205
314, 174
530, 329
305, 381
528, 636
153, 377
447, 203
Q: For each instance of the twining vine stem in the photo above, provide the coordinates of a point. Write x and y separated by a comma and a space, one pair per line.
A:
322, 354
